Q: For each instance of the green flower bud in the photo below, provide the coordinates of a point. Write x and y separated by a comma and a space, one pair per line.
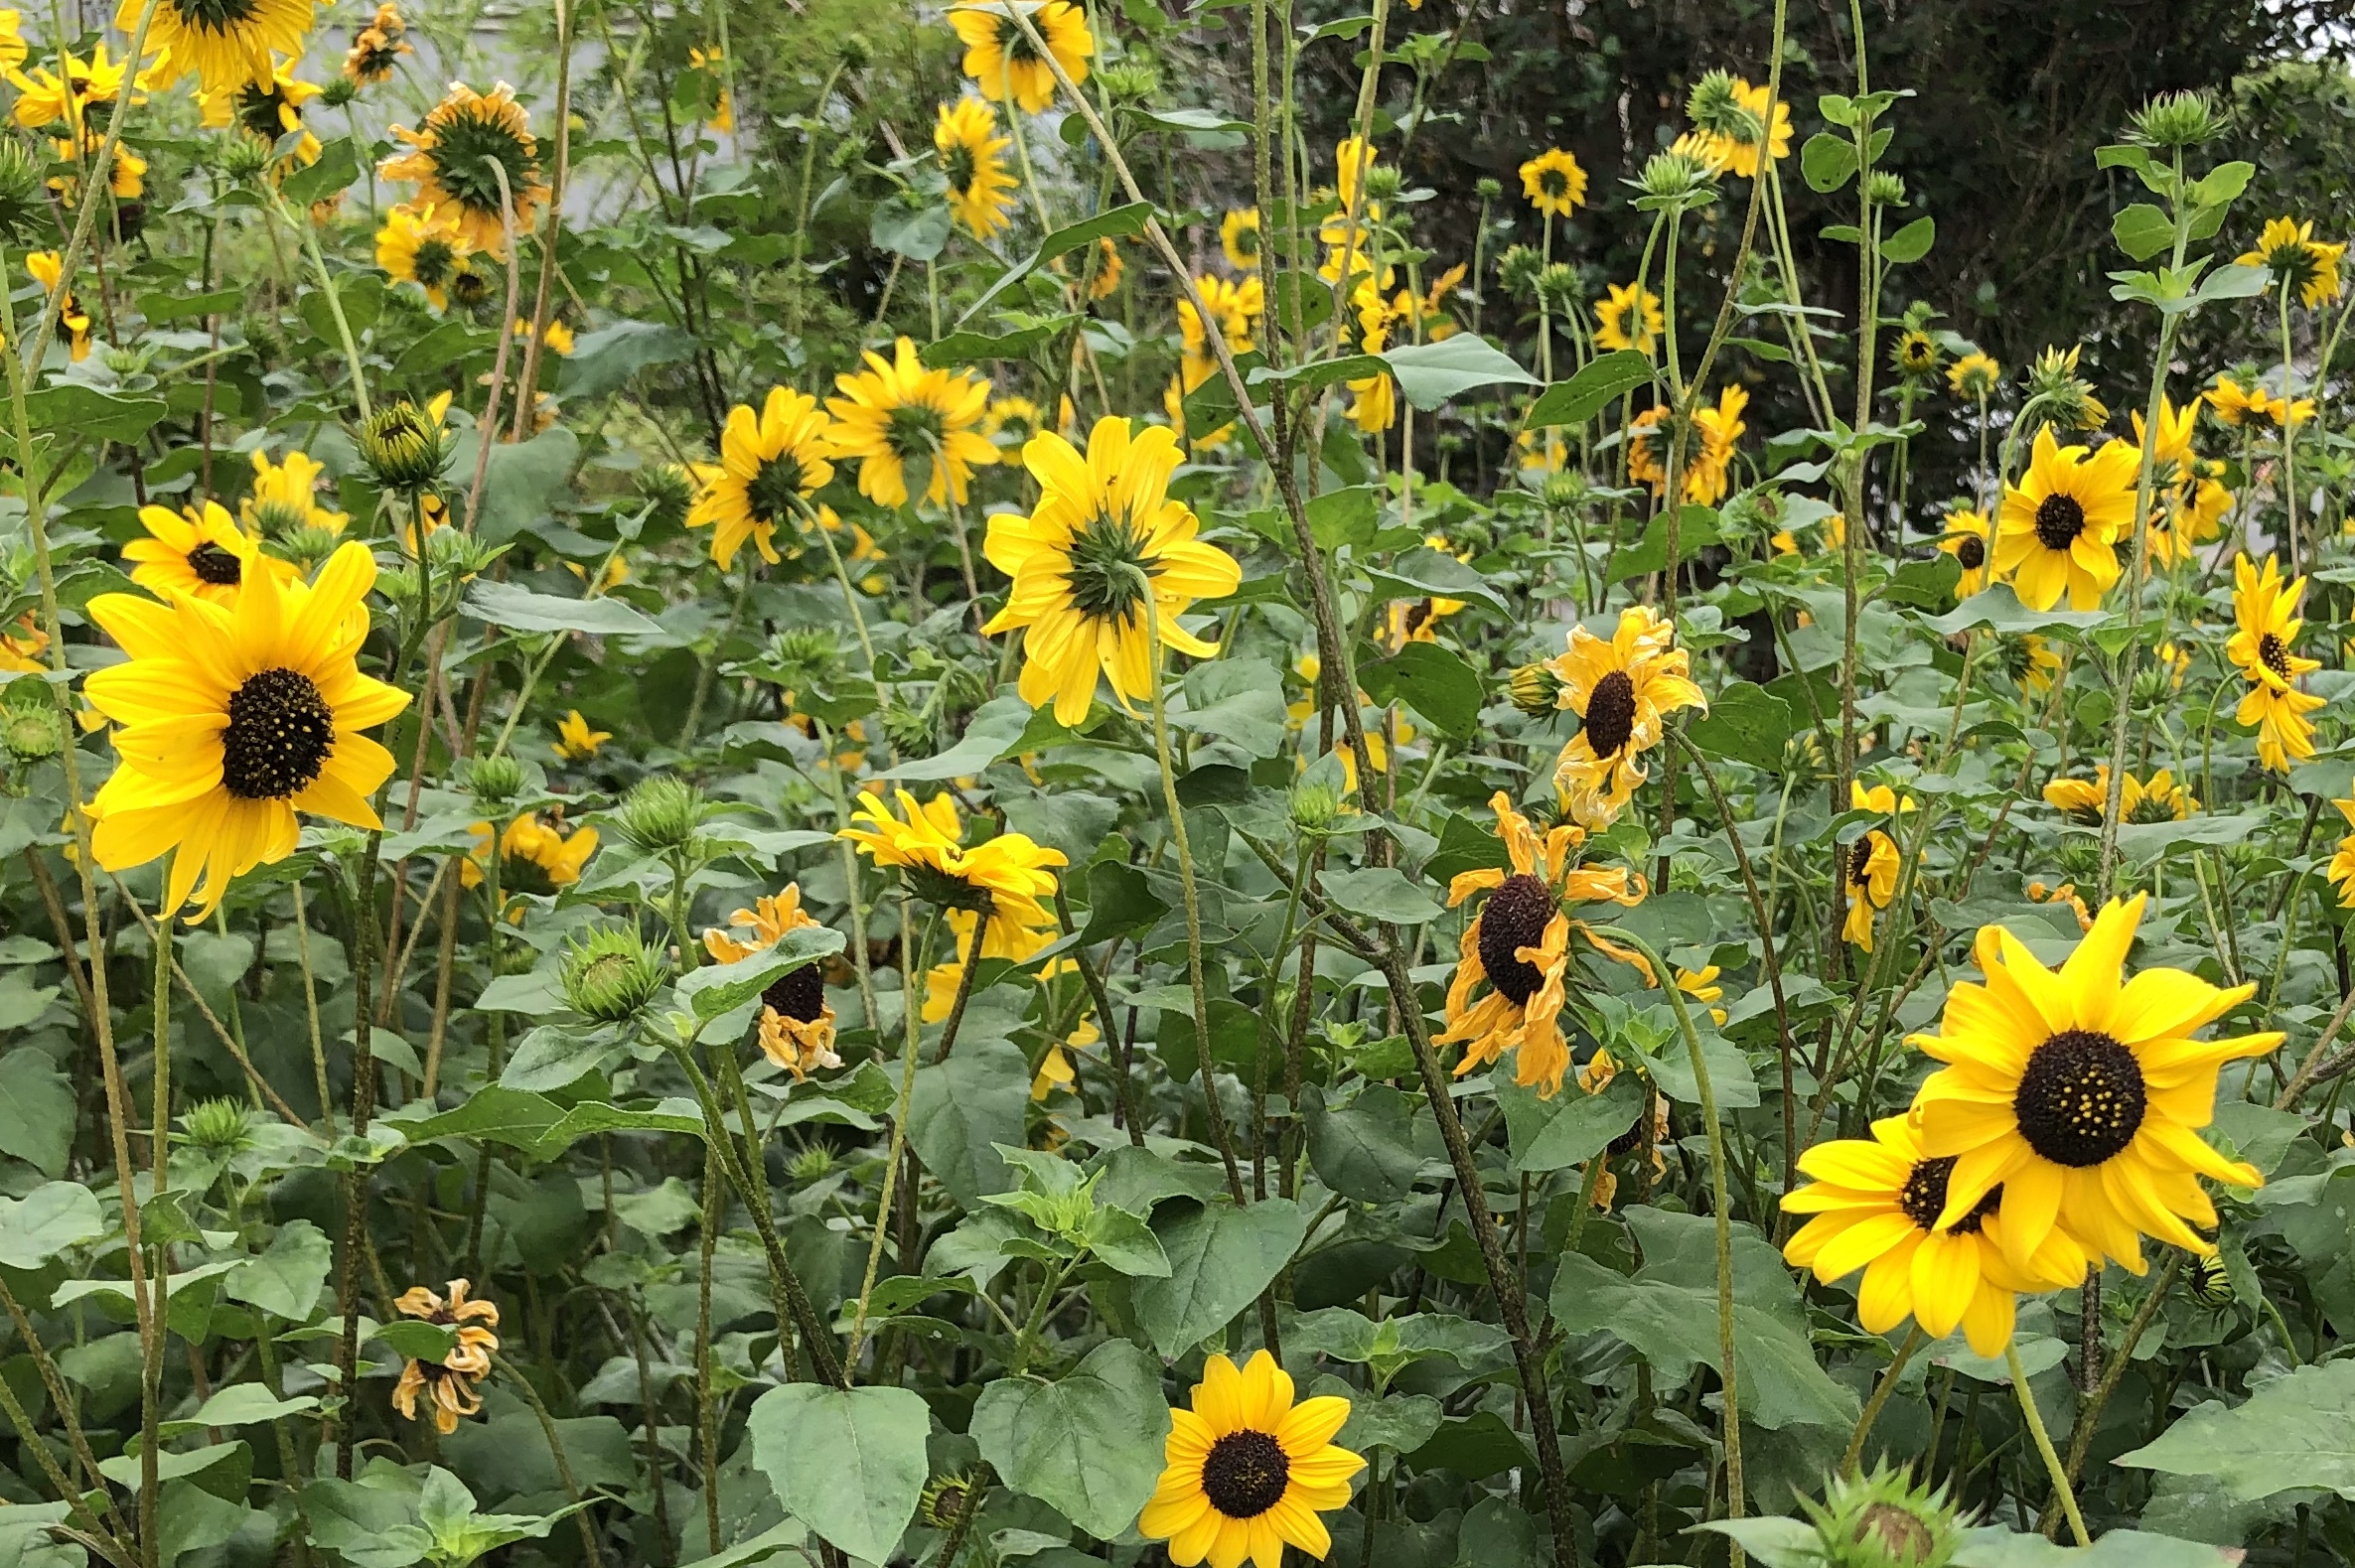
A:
1564, 491
1488, 188
1884, 1520
404, 448
610, 974
338, 90
23, 212
1534, 689
1886, 189
1673, 177
1557, 285
668, 490
2177, 119
244, 159
1130, 81
811, 1163
1518, 269
31, 730
1316, 804
1384, 182
662, 814
495, 781
219, 1127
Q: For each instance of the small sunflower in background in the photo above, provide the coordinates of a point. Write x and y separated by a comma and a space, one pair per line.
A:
1974, 375
267, 108
1553, 184
1966, 539
797, 1023
198, 551
896, 414
1628, 317
1916, 354
1701, 985
47, 267
770, 464
227, 43
1867, 881
450, 161
973, 160
2342, 861
422, 243
1622, 689
1240, 238
1708, 448
1004, 64
534, 857
576, 741
377, 48
448, 1385
2060, 525
2265, 647
2288, 251
713, 64
1248, 1469
285, 497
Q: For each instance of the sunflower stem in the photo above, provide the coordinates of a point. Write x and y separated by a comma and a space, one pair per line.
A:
2043, 1439
910, 1013
1885, 1386
308, 235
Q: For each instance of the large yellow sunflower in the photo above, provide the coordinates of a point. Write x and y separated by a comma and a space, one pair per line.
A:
1103, 541
234, 719
2060, 525
1519, 947
200, 553
2297, 260
2266, 609
1967, 542
1622, 692
45, 96
2082, 1096
1554, 182
972, 158
1001, 59
227, 43
1628, 317
286, 498
422, 243
896, 413
1002, 878
1250, 1469
449, 161
769, 467
797, 1025
1877, 1204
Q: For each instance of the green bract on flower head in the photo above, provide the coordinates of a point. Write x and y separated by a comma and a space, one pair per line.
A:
609, 975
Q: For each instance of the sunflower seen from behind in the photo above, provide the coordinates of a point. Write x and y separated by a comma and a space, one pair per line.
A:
2264, 648
450, 160
377, 48
1104, 548
197, 551
1622, 689
896, 416
973, 162
233, 720
1248, 1469
1003, 61
2060, 526
225, 43
770, 464
1869, 870
2081, 1094
285, 501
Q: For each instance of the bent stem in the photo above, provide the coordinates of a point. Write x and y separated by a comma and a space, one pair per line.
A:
2053, 1460
1880, 1397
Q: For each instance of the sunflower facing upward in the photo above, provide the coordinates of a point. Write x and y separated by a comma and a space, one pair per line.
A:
1519, 947
1248, 1469
797, 1025
2264, 648
2081, 1096
203, 554
2060, 525
973, 160
234, 719
1003, 63
769, 467
1002, 878
895, 414
1622, 692
1628, 317
227, 43
1104, 548
449, 161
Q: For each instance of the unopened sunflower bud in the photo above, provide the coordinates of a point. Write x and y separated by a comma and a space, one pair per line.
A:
1488, 188
662, 814
338, 92
610, 975
1714, 105
1518, 269
1884, 1520
814, 1162
23, 212
495, 781
1130, 81
2177, 119
244, 159
125, 362
1564, 491
1316, 804
404, 448
1557, 285
1536, 690
1674, 177
1886, 189
32, 729
1384, 183
220, 1127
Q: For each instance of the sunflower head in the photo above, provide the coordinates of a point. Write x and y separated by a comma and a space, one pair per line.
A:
2176, 120
1974, 375
225, 43
1250, 1469
610, 974
405, 448
1884, 1519
476, 154
1916, 352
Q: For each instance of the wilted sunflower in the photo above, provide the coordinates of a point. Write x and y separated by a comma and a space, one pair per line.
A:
1519, 947
1104, 547
234, 719
2266, 610
797, 1025
47, 267
2060, 525
1238, 236
1975, 375
422, 243
449, 161
377, 48
448, 1384
895, 414
1003, 63
1966, 539
1622, 692
1878, 1204
1554, 182
201, 553
2082, 1096
2297, 260
769, 467
1628, 317
227, 43
1248, 1469
972, 161
1002, 878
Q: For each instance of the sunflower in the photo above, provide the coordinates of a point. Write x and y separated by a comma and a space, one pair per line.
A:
1628, 317
45, 97
1015, 419
235, 718
769, 467
1867, 881
267, 108
1966, 539
2266, 609
1553, 184
1622, 692
2087, 800
1519, 947
2342, 862
1015, 944
2066, 895
1248, 1469
534, 857
2289, 251
797, 1025
1238, 236
377, 48
2243, 401
227, 43
576, 741
47, 267
712, 63
1004, 878
557, 340
200, 553
22, 647
972, 158
1881, 1204
1736, 150
1701, 985
1003, 63
422, 243
2055, 385
285, 497
448, 1384
2059, 527
1708, 448
2031, 663
1054, 1067
2082, 1096
449, 161
895, 413
1110, 269
1916, 354
1975, 375
1103, 539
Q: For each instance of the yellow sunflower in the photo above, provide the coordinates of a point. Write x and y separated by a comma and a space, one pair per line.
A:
2266, 610
422, 243
797, 1024
1519, 947
1975, 375
896, 413
1708, 448
1701, 985
1102, 541
2065, 893
534, 856
1867, 881
43, 96
286, 498
47, 267
1001, 878
1238, 236
227, 43
21, 648
1915, 353
234, 719
1966, 539
267, 108
2082, 1096
201, 553
2297, 260
1554, 182
1003, 62
448, 1384
1248, 1469
2342, 862
2158, 798
576, 741
712, 63
1879, 1203
2060, 525
377, 48
1628, 317
972, 158
769, 467
449, 162
2246, 402
1015, 944
1739, 152
1622, 692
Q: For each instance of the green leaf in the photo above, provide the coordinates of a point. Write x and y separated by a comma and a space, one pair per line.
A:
848, 1462
1380, 893
2233, 283
1117, 224
910, 225
2143, 230
603, 361
1219, 1258
1828, 161
966, 348
2295, 1431
73, 410
1746, 723
1425, 573
524, 482
36, 1110
1430, 374
1089, 1444
1910, 244
520, 610
962, 1109
1603, 378
1362, 1148
417, 1339
1436, 683
366, 1526
243, 1404
1571, 1127
1998, 609
338, 166
717, 989
286, 1280
46, 1221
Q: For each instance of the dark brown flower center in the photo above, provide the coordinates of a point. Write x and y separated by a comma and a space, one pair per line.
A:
280, 734
2059, 520
1244, 1474
1859, 860
1899, 1533
799, 996
1923, 1197
214, 565
2273, 653
214, 16
1515, 916
2080, 1099
1971, 552
1611, 713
